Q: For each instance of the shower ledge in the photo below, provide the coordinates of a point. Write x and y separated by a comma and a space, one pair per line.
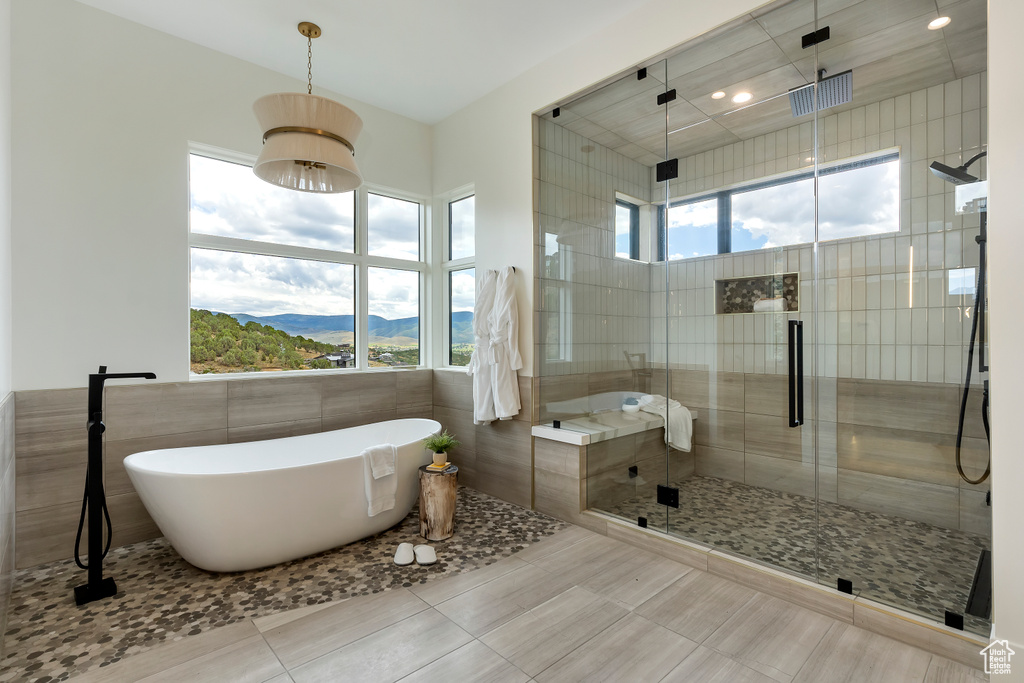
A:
612, 424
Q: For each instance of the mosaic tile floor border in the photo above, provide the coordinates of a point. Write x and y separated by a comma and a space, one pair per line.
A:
161, 597
911, 565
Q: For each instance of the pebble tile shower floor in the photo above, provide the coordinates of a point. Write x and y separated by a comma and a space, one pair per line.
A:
161, 597
915, 566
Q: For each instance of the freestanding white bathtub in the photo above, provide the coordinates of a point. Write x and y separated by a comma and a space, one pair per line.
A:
241, 506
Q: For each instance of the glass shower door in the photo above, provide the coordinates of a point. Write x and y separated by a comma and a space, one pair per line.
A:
739, 231
597, 357
898, 265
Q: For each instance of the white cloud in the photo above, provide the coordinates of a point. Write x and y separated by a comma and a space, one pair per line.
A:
463, 289
862, 201
463, 228
268, 285
393, 294
229, 200
393, 227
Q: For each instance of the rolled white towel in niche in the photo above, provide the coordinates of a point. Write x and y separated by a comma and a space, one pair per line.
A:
769, 305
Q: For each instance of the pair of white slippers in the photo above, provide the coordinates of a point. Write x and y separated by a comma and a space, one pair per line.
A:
407, 553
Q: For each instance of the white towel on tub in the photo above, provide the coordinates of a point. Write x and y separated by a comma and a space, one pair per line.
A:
678, 420
380, 477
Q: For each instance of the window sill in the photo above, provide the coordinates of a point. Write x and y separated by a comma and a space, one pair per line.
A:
243, 376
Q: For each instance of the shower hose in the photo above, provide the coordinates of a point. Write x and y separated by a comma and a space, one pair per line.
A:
81, 524
979, 302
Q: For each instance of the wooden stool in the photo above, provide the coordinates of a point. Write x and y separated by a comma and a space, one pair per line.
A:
437, 503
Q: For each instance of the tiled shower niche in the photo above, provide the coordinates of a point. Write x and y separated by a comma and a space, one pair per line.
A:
778, 293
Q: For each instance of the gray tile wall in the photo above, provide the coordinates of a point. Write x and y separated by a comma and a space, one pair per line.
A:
592, 306
882, 446
884, 302
495, 458
50, 443
7, 475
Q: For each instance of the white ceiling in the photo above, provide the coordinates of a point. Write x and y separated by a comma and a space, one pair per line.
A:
424, 59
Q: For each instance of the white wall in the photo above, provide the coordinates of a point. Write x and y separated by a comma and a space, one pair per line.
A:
5, 198
103, 111
488, 143
1006, 245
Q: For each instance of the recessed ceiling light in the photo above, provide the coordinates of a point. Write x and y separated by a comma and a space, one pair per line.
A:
741, 97
717, 95
936, 24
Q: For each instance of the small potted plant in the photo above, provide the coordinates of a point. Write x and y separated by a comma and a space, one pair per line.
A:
440, 444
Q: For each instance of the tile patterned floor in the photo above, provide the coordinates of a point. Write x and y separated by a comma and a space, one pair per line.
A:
553, 612
163, 598
911, 565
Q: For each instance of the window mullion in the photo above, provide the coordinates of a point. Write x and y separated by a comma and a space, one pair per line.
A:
362, 336
243, 246
724, 222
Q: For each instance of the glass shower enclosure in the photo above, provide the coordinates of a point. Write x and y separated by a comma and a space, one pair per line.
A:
757, 290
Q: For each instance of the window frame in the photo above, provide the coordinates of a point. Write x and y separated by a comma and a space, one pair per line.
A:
357, 258
724, 199
443, 358
634, 227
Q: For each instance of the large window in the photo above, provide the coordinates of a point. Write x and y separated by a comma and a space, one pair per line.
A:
285, 280
460, 277
855, 198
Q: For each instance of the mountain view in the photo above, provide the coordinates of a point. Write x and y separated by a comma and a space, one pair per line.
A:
339, 329
239, 342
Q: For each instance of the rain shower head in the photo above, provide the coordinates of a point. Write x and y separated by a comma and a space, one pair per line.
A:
832, 91
958, 175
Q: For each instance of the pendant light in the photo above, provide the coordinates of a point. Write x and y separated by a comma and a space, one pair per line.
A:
308, 140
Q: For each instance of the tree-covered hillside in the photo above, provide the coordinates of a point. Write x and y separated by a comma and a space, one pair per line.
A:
221, 344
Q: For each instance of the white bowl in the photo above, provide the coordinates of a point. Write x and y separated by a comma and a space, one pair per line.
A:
626, 408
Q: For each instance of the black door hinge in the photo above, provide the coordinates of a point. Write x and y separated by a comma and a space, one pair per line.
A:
667, 97
668, 496
667, 170
815, 37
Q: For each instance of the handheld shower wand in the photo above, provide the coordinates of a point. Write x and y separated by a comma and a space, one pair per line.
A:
960, 176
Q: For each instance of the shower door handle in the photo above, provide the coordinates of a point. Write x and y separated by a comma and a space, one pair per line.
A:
796, 373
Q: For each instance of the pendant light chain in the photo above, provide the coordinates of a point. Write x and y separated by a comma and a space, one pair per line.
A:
309, 57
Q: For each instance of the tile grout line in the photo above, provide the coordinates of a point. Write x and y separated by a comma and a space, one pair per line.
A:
272, 650
376, 631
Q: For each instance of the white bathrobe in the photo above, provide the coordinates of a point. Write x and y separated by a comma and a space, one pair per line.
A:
504, 336
482, 359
